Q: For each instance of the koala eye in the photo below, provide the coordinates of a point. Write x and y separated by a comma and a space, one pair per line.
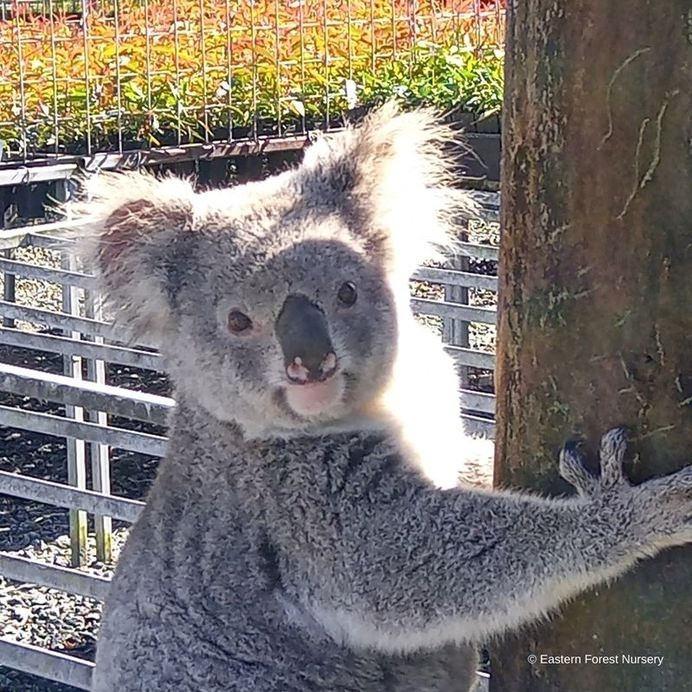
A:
347, 294
238, 322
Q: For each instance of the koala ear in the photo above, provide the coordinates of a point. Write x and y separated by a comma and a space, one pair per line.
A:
135, 225
391, 177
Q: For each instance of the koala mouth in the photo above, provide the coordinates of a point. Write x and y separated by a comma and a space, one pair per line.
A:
314, 398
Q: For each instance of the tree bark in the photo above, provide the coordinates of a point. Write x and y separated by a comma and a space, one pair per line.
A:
595, 322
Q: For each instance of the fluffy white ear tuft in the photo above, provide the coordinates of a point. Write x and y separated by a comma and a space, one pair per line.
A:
131, 223
397, 168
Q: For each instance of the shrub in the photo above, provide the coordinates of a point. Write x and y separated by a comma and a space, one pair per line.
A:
140, 73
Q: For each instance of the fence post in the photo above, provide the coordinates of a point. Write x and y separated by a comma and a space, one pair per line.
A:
456, 332
76, 449
9, 280
99, 453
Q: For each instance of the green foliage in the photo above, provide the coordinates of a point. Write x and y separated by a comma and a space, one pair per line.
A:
138, 73
466, 79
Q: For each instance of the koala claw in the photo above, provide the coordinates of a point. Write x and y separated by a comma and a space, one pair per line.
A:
612, 454
612, 457
573, 469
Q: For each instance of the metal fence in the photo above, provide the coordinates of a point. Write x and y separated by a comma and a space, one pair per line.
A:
221, 85
87, 342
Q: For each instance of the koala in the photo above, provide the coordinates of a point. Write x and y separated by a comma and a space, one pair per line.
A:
306, 530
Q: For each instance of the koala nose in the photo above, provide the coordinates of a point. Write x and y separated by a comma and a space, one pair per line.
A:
303, 334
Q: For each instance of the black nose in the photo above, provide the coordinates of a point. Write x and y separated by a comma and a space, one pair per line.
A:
303, 334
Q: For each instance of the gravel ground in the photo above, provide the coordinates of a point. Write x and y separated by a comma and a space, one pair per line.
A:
66, 622
36, 615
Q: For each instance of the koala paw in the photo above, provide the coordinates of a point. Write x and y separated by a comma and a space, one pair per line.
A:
654, 514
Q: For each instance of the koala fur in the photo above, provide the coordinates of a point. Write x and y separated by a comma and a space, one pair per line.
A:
305, 531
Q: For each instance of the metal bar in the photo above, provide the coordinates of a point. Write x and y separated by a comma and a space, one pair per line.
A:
65, 166
54, 77
9, 281
176, 61
48, 664
482, 682
477, 401
254, 65
277, 67
229, 68
66, 346
92, 395
9, 288
23, 569
484, 252
22, 92
25, 175
148, 70
475, 425
76, 448
203, 54
489, 200
327, 94
454, 331
467, 356
58, 276
441, 308
49, 424
373, 60
453, 277
87, 85
49, 241
19, 237
301, 62
61, 495
392, 7
61, 167
60, 320
99, 453
118, 76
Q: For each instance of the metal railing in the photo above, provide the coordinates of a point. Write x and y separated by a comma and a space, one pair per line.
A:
76, 394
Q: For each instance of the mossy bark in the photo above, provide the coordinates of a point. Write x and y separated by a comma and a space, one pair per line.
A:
596, 302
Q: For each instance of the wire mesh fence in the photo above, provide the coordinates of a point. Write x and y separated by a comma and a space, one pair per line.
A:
81, 76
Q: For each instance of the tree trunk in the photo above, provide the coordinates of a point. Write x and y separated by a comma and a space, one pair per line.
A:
596, 303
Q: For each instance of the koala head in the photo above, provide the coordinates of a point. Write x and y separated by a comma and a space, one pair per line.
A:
279, 304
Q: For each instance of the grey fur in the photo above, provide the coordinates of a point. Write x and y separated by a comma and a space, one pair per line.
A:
285, 551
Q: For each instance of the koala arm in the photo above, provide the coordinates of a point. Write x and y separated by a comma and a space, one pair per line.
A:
429, 567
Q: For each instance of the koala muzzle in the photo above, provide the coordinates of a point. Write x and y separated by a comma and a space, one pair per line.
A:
303, 334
